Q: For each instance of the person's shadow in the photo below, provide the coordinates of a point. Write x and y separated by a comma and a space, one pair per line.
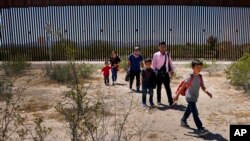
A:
121, 84
164, 107
210, 136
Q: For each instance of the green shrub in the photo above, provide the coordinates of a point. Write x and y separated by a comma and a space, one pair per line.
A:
63, 73
58, 72
85, 70
123, 64
15, 67
238, 72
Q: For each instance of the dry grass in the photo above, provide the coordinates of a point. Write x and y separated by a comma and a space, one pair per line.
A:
56, 116
237, 114
215, 118
152, 136
34, 106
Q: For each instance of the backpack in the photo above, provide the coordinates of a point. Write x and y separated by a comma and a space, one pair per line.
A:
183, 92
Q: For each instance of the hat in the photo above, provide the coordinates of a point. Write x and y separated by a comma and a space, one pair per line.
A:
136, 48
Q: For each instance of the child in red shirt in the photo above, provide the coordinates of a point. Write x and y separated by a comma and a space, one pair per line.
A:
105, 71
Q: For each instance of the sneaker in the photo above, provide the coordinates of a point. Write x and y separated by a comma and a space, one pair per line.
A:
159, 103
172, 104
202, 132
144, 105
184, 124
152, 105
137, 90
130, 90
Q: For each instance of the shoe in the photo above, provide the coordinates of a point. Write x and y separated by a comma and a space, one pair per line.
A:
202, 132
152, 105
144, 105
137, 90
184, 124
159, 103
113, 83
131, 91
172, 104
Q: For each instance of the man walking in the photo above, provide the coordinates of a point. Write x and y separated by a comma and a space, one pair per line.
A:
163, 66
134, 66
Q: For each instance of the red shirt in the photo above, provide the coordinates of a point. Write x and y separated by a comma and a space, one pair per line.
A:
105, 70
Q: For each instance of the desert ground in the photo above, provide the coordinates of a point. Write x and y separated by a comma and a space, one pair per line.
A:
229, 105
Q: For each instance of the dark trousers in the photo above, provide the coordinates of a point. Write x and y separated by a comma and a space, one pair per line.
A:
134, 74
191, 108
106, 79
145, 90
166, 82
114, 74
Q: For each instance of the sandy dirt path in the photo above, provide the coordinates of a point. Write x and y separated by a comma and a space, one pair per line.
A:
228, 106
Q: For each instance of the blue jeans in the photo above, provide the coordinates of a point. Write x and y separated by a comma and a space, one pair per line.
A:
114, 74
191, 108
145, 90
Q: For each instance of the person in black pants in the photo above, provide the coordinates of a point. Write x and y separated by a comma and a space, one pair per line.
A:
165, 80
163, 66
134, 66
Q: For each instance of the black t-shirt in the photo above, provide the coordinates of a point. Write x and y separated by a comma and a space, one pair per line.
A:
115, 60
148, 76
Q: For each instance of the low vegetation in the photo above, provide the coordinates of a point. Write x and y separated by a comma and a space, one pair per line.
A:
63, 73
238, 73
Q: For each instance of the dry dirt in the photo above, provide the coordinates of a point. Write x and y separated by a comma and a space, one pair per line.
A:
229, 105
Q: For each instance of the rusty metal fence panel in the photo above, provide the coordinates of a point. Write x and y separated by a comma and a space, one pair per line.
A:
92, 32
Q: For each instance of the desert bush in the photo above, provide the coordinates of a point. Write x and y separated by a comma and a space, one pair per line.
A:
238, 72
15, 67
78, 112
40, 132
123, 64
87, 116
11, 96
63, 73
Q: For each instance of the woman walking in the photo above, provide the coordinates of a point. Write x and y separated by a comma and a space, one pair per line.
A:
114, 61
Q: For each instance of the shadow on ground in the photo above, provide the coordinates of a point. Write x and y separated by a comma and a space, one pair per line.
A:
210, 136
164, 107
121, 84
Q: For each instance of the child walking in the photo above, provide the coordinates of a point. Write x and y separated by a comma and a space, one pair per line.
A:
192, 94
148, 83
105, 71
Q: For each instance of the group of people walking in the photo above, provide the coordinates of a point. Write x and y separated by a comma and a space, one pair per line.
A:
154, 73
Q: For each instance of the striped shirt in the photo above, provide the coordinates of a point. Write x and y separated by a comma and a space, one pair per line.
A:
158, 61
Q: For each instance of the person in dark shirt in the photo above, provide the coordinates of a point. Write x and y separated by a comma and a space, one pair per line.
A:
134, 68
148, 83
114, 61
105, 71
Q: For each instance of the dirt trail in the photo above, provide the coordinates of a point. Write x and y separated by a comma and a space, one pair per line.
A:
228, 106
